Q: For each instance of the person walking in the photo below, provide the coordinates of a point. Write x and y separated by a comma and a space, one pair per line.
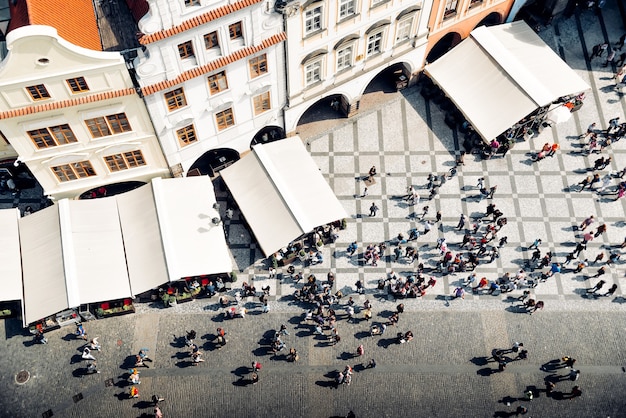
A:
492, 191
597, 287
374, 209
536, 243
600, 272
600, 230
360, 350
462, 221
588, 221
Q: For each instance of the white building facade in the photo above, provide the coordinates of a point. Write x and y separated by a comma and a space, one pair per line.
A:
336, 47
73, 115
212, 75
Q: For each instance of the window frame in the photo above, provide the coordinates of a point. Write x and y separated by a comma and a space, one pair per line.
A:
38, 92
191, 3
49, 137
347, 15
186, 135
77, 85
399, 25
261, 103
448, 11
380, 35
319, 63
320, 15
98, 124
73, 171
339, 57
208, 43
173, 99
259, 62
475, 3
215, 79
223, 117
238, 33
124, 161
186, 50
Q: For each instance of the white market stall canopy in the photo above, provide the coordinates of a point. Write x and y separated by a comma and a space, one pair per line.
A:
85, 251
500, 74
10, 262
281, 192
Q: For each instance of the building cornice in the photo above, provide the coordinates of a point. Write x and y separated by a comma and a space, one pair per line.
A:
197, 21
214, 65
62, 104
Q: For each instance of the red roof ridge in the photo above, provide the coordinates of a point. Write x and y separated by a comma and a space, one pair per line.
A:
197, 21
214, 65
61, 104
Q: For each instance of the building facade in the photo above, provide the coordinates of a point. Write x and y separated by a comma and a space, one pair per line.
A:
336, 48
451, 21
73, 115
212, 76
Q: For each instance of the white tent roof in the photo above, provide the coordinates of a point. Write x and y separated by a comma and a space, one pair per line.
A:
10, 261
281, 192
507, 73
43, 271
93, 251
193, 244
85, 251
145, 257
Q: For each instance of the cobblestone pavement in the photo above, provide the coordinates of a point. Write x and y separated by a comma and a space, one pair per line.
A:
443, 371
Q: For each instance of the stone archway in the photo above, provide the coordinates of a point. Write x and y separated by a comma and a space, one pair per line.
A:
111, 189
213, 161
449, 41
491, 19
322, 115
268, 134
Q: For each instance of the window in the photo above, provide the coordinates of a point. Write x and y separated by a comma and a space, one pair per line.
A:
225, 119
374, 44
185, 50
73, 171
313, 72
258, 66
235, 31
378, 2
211, 41
52, 136
189, 3
124, 161
346, 8
78, 85
450, 9
313, 20
403, 31
186, 135
108, 125
175, 99
38, 92
474, 3
344, 57
218, 82
262, 103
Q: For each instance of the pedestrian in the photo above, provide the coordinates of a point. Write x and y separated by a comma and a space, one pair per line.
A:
575, 392
81, 332
549, 388
371, 364
529, 395
427, 227
581, 265
613, 124
481, 183
588, 221
254, 378
365, 193
360, 350
462, 221
609, 58
536, 243
492, 190
87, 354
590, 130
503, 241
374, 209
600, 272
611, 290
614, 257
372, 171
438, 216
586, 182
574, 374
553, 149
598, 258
597, 287
600, 230
620, 43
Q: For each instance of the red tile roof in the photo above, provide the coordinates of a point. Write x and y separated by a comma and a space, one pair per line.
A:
74, 20
214, 65
44, 107
197, 21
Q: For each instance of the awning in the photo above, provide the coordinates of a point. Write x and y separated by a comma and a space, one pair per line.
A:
281, 192
194, 244
10, 262
507, 73
143, 244
43, 271
86, 251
